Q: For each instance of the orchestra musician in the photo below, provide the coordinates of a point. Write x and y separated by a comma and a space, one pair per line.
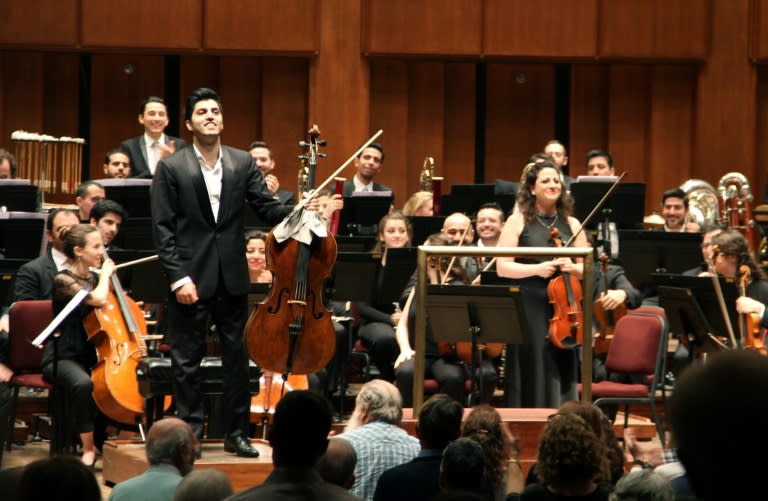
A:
539, 374
449, 371
67, 360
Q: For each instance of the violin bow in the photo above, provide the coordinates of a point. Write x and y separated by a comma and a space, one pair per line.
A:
453, 258
596, 208
720, 298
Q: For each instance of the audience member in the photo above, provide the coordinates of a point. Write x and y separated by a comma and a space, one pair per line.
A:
58, 477
337, 465
7, 165
86, 195
262, 155
462, 471
421, 203
501, 449
108, 216
170, 450
724, 394
117, 164
146, 150
208, 484
643, 485
374, 432
297, 443
10, 478
438, 425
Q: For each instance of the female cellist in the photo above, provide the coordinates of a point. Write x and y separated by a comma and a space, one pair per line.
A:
74, 355
538, 374
730, 253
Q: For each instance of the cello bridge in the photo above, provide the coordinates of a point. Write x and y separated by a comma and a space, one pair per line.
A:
297, 302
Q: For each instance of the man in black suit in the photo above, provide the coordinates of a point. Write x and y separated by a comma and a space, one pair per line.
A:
368, 164
198, 199
262, 155
439, 424
147, 150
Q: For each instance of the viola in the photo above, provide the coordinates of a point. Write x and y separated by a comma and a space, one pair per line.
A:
292, 331
749, 324
117, 330
566, 327
606, 319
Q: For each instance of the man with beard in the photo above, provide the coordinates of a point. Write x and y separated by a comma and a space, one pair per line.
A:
368, 165
674, 210
374, 432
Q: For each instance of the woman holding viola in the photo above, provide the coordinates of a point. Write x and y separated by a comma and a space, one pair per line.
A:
538, 373
67, 361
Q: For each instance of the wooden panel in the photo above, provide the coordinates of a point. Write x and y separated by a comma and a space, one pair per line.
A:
61, 94
116, 97
171, 24
458, 162
241, 99
553, 28
424, 27
266, 25
23, 93
759, 30
659, 29
629, 101
196, 71
671, 130
589, 114
38, 22
519, 116
760, 179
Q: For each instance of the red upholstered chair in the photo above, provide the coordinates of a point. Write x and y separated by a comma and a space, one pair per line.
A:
638, 349
27, 320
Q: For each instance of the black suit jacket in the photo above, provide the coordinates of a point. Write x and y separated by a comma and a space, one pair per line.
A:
285, 197
188, 239
34, 279
415, 480
136, 149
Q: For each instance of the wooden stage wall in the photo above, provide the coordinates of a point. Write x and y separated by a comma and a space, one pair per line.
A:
673, 89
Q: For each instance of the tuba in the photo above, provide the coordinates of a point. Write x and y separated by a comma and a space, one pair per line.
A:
735, 200
703, 203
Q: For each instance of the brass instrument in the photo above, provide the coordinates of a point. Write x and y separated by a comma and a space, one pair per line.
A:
427, 174
703, 203
735, 199
302, 182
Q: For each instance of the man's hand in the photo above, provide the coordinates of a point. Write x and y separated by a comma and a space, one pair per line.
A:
612, 299
165, 150
272, 183
187, 294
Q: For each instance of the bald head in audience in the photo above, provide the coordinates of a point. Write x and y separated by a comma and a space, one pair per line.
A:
337, 465
171, 441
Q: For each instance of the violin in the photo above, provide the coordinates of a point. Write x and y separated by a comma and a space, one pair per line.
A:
292, 331
749, 323
606, 319
566, 327
117, 330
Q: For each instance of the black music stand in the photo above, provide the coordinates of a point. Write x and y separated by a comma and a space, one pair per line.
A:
485, 314
358, 243
424, 226
131, 193
144, 281
646, 252
135, 234
8, 270
354, 276
22, 235
362, 212
694, 312
626, 203
18, 196
394, 277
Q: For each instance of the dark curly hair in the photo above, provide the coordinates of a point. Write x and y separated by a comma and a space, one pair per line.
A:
483, 425
601, 425
527, 202
570, 453
733, 243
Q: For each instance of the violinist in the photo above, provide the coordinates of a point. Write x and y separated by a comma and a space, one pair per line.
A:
539, 374
731, 251
67, 360
458, 230
450, 372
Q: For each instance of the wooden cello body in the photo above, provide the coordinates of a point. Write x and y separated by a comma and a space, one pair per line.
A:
566, 327
116, 330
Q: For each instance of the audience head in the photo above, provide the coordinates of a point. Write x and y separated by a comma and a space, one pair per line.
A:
87, 194
108, 216
710, 413
7, 165
439, 422
395, 231
337, 465
117, 164
599, 163
489, 223
463, 466
58, 477
10, 478
378, 400
207, 484
557, 151
599, 424
368, 163
570, 454
421, 203
153, 116
262, 155
298, 442
484, 426
643, 485
456, 226
58, 219
171, 441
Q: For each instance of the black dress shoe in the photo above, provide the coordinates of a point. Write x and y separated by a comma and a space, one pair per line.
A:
240, 445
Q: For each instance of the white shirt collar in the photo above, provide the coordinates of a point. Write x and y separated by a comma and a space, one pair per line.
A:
359, 184
59, 259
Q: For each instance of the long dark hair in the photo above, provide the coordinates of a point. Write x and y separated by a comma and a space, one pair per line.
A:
527, 201
733, 243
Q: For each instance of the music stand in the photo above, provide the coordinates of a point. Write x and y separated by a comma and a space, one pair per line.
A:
424, 226
8, 270
485, 314
694, 312
22, 235
646, 252
18, 196
354, 276
627, 202
131, 193
135, 234
401, 263
355, 243
145, 281
362, 212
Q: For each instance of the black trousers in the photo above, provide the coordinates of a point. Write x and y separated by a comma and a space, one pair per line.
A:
188, 326
76, 385
450, 376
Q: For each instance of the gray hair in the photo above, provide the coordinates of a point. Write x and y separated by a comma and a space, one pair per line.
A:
643, 485
164, 447
382, 400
